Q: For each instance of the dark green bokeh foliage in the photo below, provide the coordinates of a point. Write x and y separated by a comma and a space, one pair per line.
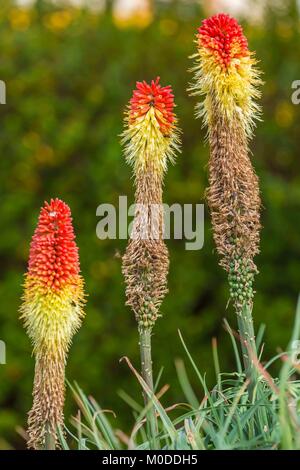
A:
66, 92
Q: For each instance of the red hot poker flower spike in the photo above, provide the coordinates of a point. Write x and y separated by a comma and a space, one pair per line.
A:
52, 311
223, 37
161, 98
53, 256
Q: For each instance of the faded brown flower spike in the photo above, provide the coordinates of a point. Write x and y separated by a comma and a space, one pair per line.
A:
227, 79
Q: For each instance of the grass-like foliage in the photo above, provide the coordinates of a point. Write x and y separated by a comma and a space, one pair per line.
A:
229, 416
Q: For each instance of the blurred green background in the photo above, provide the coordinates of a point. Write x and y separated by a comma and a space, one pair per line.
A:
69, 74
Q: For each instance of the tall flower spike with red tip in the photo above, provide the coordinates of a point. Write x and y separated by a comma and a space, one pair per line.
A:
151, 139
226, 79
52, 311
151, 134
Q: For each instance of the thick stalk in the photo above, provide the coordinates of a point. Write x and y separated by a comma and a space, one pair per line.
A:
146, 366
49, 439
248, 344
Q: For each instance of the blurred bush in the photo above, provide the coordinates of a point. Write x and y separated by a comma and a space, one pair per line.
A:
69, 74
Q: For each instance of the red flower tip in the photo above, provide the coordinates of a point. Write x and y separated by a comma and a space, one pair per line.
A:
223, 36
161, 98
53, 255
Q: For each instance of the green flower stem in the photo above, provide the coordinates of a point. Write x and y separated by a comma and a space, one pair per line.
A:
146, 365
49, 439
248, 344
